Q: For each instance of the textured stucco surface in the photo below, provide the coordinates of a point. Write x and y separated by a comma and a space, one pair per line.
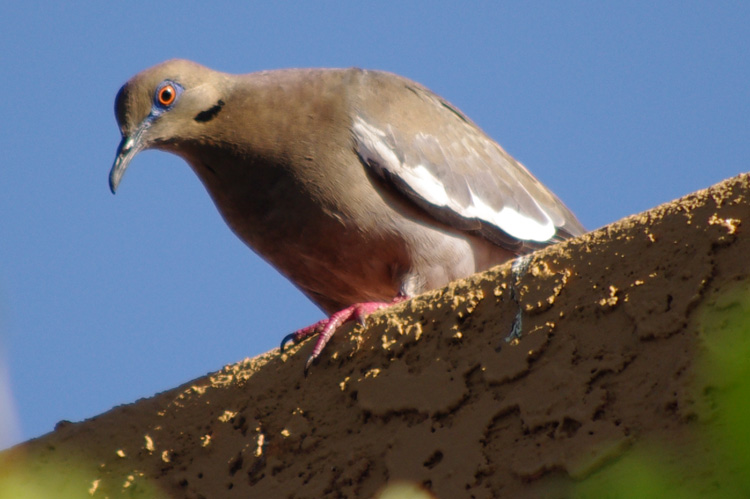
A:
436, 391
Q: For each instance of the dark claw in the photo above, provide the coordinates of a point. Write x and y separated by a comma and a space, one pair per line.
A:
361, 320
289, 338
309, 363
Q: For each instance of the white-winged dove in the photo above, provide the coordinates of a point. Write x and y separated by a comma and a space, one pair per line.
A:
361, 187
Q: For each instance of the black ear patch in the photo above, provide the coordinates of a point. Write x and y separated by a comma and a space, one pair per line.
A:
209, 114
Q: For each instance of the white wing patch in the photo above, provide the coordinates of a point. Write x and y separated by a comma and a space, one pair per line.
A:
427, 185
526, 229
374, 148
371, 145
513, 222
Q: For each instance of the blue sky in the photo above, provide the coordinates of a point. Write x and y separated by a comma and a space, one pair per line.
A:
106, 299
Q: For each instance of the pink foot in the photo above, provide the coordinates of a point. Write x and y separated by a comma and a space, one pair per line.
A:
327, 327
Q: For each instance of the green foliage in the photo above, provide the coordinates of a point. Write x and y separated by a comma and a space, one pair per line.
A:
68, 478
717, 463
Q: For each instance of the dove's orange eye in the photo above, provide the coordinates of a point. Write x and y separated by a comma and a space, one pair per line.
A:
166, 95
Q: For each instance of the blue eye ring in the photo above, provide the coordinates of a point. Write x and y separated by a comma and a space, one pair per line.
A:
166, 94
